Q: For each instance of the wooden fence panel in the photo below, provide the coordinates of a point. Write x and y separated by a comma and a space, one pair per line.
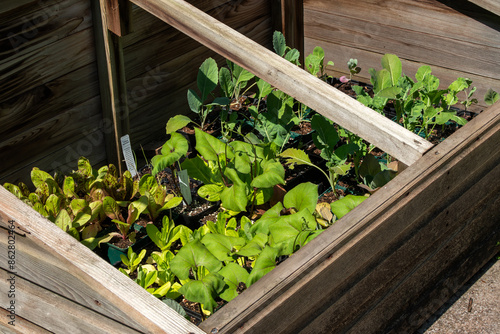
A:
49, 87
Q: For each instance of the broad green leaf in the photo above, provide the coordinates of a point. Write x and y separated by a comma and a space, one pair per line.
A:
194, 101
382, 80
84, 167
325, 135
185, 234
63, 220
303, 196
273, 173
234, 198
242, 153
389, 92
264, 264
82, 218
210, 147
171, 203
38, 177
191, 256
264, 88
291, 231
292, 55
423, 72
175, 306
208, 76
173, 149
198, 169
226, 82
110, 208
271, 216
146, 183
211, 192
299, 157
69, 187
255, 246
382, 178
204, 291
491, 97
222, 246
176, 123
341, 207
393, 65
369, 167
279, 43
233, 275
53, 204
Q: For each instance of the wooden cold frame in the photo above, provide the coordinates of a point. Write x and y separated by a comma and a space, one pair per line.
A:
385, 265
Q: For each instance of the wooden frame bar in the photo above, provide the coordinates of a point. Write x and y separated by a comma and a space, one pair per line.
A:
321, 97
490, 5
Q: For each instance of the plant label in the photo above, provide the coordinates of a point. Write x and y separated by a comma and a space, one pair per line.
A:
128, 154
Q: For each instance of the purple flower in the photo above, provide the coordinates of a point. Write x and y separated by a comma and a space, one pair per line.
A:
344, 79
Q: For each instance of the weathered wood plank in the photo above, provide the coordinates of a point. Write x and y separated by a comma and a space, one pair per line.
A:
85, 266
146, 25
398, 237
381, 38
37, 266
292, 12
25, 111
39, 23
490, 5
172, 44
378, 130
53, 312
21, 325
65, 159
25, 71
71, 126
118, 14
442, 18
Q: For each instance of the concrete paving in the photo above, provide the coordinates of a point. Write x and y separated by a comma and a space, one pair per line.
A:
474, 309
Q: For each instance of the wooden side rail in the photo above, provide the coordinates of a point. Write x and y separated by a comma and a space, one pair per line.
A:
323, 98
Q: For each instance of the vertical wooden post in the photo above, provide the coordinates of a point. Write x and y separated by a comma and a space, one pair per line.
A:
292, 24
112, 15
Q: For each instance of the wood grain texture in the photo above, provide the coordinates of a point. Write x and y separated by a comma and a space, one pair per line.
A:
53, 134
455, 38
313, 92
146, 25
490, 5
85, 266
64, 159
32, 26
35, 265
118, 13
55, 313
21, 325
394, 259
